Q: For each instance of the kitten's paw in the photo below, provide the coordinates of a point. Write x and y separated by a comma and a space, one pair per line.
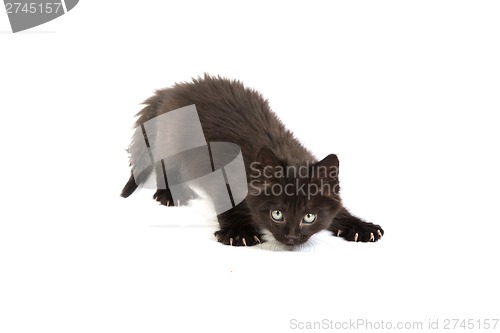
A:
239, 236
367, 232
164, 197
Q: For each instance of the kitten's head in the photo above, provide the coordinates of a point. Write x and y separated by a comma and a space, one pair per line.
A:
293, 202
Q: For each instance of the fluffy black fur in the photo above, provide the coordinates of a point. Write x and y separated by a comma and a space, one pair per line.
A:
229, 112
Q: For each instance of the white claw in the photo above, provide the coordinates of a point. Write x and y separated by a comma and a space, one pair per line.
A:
178, 202
244, 241
356, 237
256, 238
168, 203
231, 241
339, 232
379, 233
372, 237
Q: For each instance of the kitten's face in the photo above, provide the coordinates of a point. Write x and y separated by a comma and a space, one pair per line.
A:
296, 203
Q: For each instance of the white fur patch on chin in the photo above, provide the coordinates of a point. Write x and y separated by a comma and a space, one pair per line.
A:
322, 239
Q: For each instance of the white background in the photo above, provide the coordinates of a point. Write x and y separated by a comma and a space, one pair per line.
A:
406, 93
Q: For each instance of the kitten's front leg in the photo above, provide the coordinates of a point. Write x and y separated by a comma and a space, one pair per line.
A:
237, 227
354, 229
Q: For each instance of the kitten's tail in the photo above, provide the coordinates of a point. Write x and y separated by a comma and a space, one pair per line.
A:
129, 188
148, 112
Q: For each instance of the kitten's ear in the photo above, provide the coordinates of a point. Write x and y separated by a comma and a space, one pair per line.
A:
331, 160
328, 167
262, 171
266, 157
326, 175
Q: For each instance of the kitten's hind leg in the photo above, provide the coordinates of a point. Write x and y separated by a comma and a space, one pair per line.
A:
237, 227
354, 229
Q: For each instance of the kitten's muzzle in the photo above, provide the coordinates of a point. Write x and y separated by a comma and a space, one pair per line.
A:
292, 239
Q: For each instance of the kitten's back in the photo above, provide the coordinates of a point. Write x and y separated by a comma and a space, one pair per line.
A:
230, 112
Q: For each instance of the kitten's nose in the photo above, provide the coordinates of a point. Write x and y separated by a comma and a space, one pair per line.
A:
291, 237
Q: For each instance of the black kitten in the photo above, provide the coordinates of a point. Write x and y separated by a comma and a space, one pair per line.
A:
290, 192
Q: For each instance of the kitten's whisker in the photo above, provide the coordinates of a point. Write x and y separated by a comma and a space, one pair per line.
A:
318, 241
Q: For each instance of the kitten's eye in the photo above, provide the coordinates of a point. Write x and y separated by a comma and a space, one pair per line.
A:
277, 215
309, 218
